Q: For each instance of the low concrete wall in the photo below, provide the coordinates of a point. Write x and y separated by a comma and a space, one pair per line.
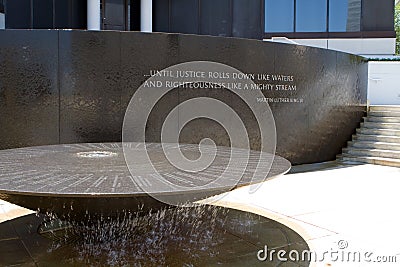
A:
384, 82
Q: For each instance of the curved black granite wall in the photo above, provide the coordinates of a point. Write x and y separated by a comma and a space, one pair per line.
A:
74, 86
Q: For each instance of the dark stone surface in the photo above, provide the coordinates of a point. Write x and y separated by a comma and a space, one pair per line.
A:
98, 72
136, 52
90, 86
29, 92
78, 179
312, 125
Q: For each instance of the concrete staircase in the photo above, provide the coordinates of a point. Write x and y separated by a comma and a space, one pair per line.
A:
377, 140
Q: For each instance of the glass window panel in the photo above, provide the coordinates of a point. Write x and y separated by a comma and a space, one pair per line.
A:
246, 18
78, 20
160, 15
279, 15
215, 17
62, 13
2, 16
184, 16
311, 15
43, 14
2, 21
344, 15
18, 14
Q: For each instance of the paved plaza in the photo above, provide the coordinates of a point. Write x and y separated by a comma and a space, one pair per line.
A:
335, 208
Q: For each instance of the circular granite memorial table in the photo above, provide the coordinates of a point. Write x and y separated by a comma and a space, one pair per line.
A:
78, 180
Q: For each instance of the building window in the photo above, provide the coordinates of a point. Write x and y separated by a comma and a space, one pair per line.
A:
279, 16
2, 15
311, 15
344, 15
184, 16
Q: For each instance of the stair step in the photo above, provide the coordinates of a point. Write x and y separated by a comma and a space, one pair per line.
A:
384, 114
395, 108
374, 145
382, 119
377, 138
377, 141
385, 132
370, 160
393, 154
380, 125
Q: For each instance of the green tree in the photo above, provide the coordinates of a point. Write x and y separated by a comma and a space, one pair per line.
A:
397, 27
